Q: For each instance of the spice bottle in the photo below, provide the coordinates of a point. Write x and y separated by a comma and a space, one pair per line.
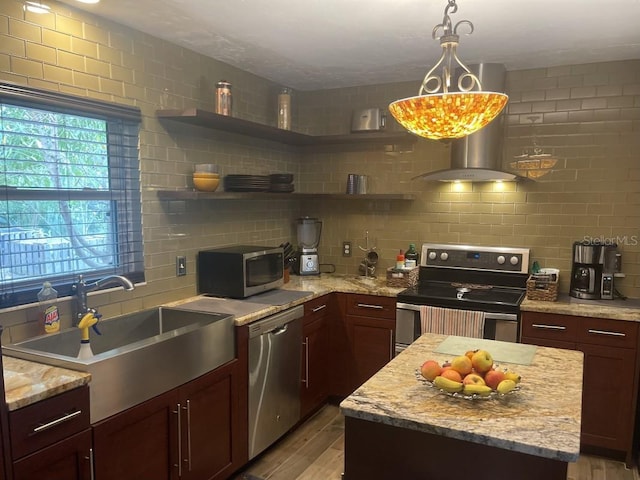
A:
284, 109
47, 298
400, 261
411, 257
224, 99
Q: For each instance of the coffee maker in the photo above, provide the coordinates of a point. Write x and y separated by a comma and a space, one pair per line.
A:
309, 230
592, 271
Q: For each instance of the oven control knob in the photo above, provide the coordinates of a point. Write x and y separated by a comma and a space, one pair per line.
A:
444, 256
501, 259
432, 255
514, 260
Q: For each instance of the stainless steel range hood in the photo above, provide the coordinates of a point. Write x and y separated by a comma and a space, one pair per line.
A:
478, 157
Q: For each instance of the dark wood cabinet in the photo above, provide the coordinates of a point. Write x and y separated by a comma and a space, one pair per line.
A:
189, 432
315, 354
610, 379
140, 442
51, 439
210, 419
368, 326
68, 459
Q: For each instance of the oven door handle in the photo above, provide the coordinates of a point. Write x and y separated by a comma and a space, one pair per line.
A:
488, 315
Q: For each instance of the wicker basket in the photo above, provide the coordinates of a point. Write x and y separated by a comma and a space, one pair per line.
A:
402, 278
544, 289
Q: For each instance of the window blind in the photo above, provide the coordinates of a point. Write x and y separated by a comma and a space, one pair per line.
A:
69, 192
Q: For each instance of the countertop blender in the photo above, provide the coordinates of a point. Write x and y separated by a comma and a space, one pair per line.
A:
309, 230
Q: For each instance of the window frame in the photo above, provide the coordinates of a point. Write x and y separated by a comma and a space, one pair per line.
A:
125, 196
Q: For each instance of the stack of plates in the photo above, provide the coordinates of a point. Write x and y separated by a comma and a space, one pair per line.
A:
281, 183
246, 183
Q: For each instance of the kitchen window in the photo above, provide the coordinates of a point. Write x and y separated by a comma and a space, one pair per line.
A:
69, 192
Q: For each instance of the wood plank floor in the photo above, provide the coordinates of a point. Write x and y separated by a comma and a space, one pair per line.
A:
315, 451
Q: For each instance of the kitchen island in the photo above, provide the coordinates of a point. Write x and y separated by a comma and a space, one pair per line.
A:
398, 427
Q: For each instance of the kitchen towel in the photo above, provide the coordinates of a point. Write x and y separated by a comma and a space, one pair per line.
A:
448, 321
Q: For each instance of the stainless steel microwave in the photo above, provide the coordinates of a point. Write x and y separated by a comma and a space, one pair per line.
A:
240, 271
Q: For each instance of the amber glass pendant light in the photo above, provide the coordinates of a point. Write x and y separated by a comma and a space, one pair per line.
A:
436, 112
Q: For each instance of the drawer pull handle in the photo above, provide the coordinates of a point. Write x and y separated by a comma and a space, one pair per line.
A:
57, 421
604, 332
318, 308
367, 305
549, 327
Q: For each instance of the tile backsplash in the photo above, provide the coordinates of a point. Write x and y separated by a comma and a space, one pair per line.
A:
588, 116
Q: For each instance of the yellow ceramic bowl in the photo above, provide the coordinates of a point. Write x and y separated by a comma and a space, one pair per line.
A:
206, 184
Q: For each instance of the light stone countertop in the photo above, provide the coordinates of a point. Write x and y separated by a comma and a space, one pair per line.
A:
29, 382
614, 309
542, 419
316, 286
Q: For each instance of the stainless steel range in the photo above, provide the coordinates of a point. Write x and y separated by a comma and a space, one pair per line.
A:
465, 277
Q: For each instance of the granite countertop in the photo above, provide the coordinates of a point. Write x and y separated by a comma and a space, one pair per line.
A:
302, 288
34, 386
542, 419
614, 309
29, 382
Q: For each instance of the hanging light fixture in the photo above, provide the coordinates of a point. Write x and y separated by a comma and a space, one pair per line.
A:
436, 112
533, 162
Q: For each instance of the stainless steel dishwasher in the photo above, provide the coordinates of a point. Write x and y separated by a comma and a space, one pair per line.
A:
275, 349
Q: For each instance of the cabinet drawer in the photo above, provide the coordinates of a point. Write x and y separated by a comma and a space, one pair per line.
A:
41, 424
371, 306
607, 332
316, 308
549, 326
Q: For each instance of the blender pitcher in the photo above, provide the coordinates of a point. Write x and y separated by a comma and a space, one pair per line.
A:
309, 230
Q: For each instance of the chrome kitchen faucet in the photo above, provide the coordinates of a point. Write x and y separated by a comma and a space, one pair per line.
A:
81, 289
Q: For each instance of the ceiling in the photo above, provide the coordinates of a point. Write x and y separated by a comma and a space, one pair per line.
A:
321, 44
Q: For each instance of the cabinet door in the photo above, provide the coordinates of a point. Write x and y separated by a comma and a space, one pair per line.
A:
372, 345
210, 416
315, 345
607, 397
140, 443
341, 365
68, 459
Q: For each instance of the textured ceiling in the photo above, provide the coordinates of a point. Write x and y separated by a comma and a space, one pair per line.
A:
319, 44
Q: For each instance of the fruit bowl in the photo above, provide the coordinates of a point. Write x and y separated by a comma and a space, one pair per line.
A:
493, 395
472, 376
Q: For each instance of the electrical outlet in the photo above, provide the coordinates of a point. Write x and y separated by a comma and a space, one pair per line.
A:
346, 249
181, 266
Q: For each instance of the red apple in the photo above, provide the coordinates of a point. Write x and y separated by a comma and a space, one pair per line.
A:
493, 378
482, 361
473, 379
430, 370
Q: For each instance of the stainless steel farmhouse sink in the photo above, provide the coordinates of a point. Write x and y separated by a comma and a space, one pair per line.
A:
139, 355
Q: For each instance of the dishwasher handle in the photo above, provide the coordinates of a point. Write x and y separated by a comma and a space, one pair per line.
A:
279, 330
275, 323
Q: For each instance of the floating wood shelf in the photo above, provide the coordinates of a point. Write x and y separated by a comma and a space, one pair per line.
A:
204, 118
196, 195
